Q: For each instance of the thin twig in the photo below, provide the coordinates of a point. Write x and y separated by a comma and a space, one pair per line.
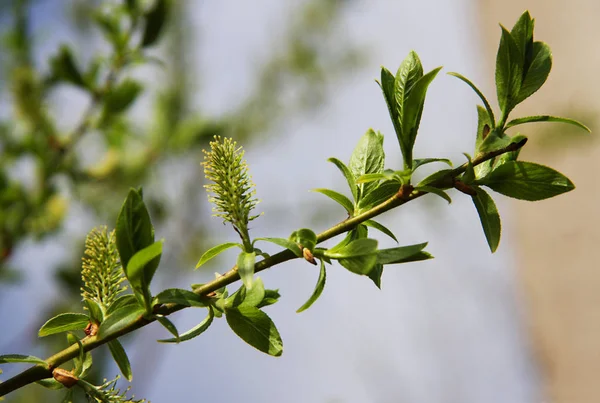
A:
89, 343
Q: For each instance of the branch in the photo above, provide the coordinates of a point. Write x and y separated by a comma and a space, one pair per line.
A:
404, 195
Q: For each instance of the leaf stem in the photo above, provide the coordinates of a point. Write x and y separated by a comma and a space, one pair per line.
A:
406, 194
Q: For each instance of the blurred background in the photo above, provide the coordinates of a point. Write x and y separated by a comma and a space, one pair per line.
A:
293, 82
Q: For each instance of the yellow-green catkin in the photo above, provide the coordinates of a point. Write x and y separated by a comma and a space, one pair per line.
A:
101, 272
231, 191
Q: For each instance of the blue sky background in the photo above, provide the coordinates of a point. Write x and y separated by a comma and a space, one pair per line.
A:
445, 330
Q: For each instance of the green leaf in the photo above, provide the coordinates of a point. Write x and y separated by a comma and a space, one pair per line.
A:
155, 21
179, 296
64, 322
120, 319
51, 384
141, 268
367, 158
367, 178
63, 67
380, 227
484, 127
284, 243
441, 179
413, 109
537, 72
96, 313
83, 363
511, 155
247, 297
121, 97
527, 181
522, 33
271, 297
337, 197
375, 274
383, 192
399, 254
318, 289
123, 300
194, 332
134, 230
255, 328
358, 256
469, 176
435, 191
305, 237
547, 118
245, 266
120, 356
167, 324
489, 217
29, 359
488, 108
423, 161
216, 250
388, 86
509, 73
347, 174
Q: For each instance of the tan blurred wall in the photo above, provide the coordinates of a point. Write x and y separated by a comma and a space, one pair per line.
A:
559, 239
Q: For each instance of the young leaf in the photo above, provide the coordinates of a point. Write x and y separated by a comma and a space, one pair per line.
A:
285, 243
388, 85
484, 127
380, 227
435, 191
367, 158
142, 266
245, 267
378, 195
399, 254
96, 314
51, 384
305, 237
179, 296
375, 274
347, 174
511, 155
167, 324
547, 118
13, 358
318, 289
122, 301
488, 108
358, 256
423, 161
337, 197
255, 328
195, 331
413, 109
83, 363
64, 322
490, 219
120, 356
247, 297
120, 319
368, 178
537, 71
509, 73
134, 229
271, 297
155, 21
216, 250
527, 181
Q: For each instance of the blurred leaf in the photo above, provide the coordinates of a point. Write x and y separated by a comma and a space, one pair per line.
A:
489, 217
155, 21
527, 181
255, 328
318, 289
215, 251
120, 356
121, 97
63, 67
64, 322
14, 358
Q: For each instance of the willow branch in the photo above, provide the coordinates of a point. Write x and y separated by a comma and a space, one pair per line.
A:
404, 195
